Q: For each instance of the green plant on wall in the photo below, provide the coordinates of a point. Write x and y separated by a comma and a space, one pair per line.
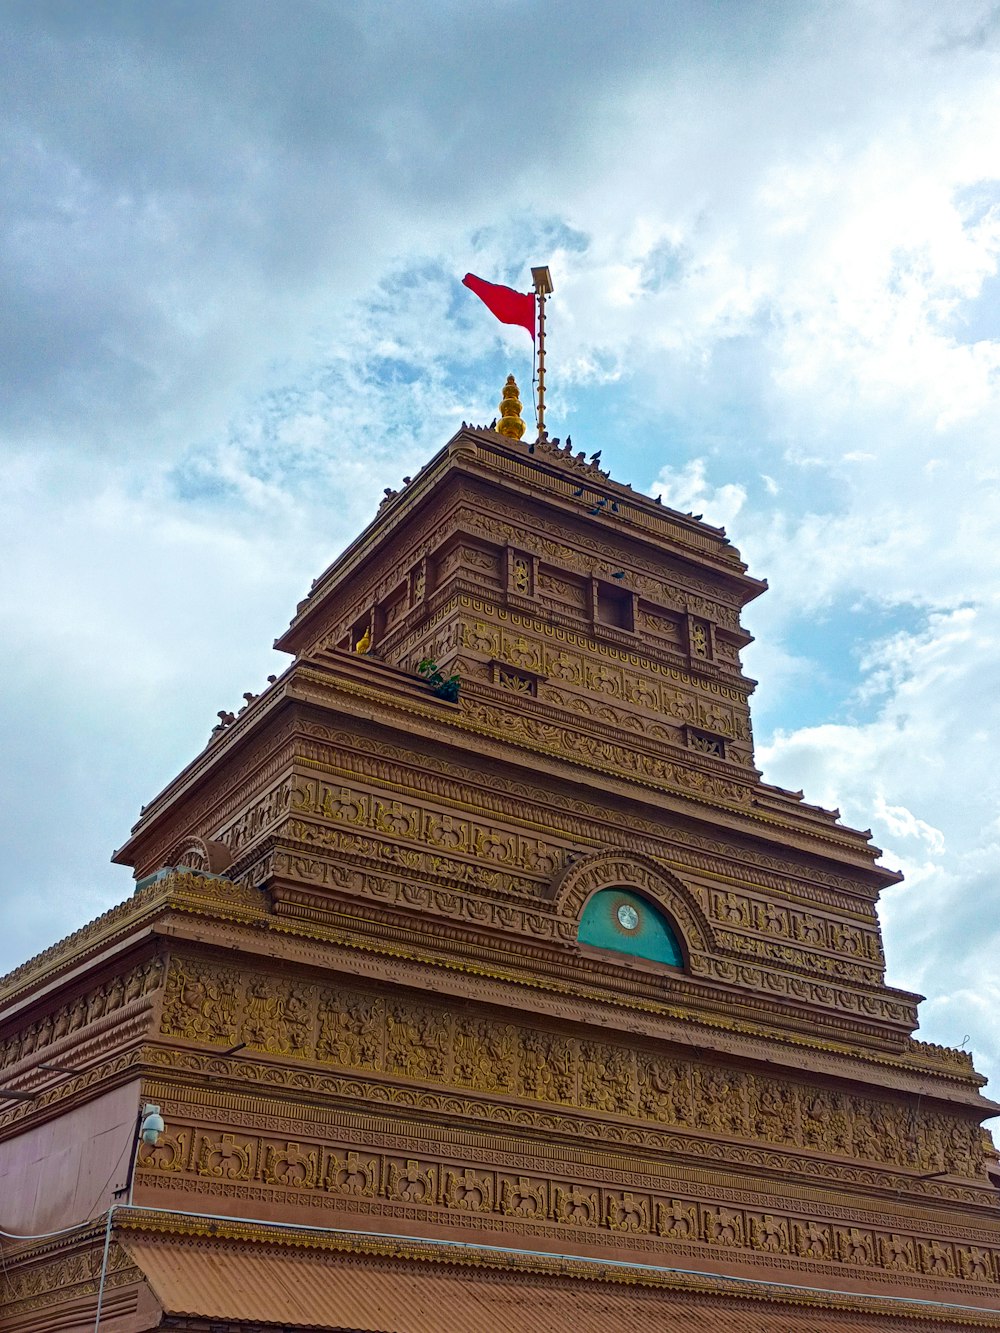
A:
445, 687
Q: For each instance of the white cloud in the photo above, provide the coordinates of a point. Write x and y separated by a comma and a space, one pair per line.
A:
927, 751
687, 489
229, 265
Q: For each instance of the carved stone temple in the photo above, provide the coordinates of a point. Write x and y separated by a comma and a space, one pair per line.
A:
482, 984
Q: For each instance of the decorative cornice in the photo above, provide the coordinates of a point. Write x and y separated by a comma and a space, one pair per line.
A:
167, 1229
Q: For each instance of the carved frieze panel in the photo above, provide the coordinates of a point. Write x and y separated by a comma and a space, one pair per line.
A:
469, 1193
430, 1043
576, 817
258, 818
30, 1287
453, 834
662, 585
539, 924
603, 668
566, 742
775, 919
97, 1007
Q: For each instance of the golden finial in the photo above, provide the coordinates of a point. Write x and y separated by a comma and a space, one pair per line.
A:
365, 642
510, 422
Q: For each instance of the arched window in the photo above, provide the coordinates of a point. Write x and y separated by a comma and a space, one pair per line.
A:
619, 920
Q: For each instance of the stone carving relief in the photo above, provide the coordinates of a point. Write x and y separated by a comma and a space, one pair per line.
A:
542, 734
453, 834
431, 1044
100, 1003
660, 586
461, 1194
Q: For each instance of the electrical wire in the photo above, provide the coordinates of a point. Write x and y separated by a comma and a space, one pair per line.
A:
132, 1143
47, 1235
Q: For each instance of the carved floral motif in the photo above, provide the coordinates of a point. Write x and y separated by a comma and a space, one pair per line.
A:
428, 1042
482, 1190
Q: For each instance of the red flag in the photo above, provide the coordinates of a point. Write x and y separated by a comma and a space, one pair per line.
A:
510, 307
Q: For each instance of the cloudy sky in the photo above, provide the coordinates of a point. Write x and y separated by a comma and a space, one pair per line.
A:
231, 243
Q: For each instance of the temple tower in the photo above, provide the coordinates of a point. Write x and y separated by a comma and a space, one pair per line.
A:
473, 959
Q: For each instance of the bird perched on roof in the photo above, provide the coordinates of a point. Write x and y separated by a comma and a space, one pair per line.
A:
578, 491
618, 574
493, 424
596, 457
569, 441
614, 506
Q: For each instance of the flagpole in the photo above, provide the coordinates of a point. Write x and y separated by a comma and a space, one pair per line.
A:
542, 279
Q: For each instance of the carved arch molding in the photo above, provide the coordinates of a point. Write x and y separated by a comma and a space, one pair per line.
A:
611, 870
206, 854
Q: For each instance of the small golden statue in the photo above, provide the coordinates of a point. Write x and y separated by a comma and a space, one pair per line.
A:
510, 422
365, 642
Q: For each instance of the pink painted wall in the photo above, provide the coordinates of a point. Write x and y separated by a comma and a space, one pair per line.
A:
66, 1170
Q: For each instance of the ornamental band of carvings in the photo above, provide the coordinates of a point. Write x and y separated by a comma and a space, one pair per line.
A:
453, 1191
520, 640
38, 1285
430, 1043
447, 871
576, 817
576, 671
409, 820
402, 819
103, 1002
465, 837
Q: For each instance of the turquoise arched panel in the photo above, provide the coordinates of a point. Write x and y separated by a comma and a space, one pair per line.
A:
622, 921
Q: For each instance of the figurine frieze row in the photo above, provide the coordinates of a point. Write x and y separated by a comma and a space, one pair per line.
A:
313, 865
683, 709
568, 743
430, 865
576, 818
432, 1043
75, 1276
94, 1010
251, 779
440, 1190
258, 818
661, 582
411, 821
781, 921
788, 956
521, 640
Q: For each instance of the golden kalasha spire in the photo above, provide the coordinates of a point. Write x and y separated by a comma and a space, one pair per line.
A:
365, 642
510, 422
